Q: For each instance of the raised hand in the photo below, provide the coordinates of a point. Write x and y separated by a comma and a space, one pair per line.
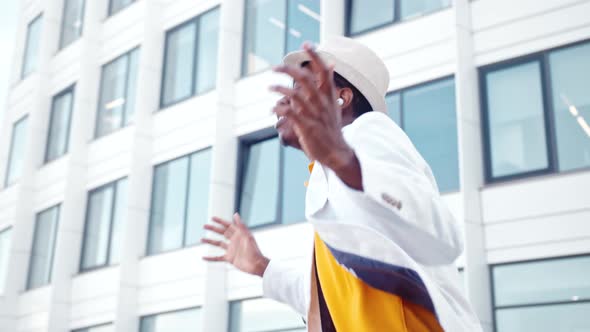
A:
241, 249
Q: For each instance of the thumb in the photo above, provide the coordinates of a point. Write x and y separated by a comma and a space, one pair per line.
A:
238, 219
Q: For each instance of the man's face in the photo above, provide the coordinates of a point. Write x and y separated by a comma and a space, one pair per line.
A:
284, 127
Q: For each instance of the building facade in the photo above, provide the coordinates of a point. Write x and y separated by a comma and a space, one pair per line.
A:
129, 123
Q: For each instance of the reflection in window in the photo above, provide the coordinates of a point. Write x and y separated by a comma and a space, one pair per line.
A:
550, 295
31, 55
188, 320
276, 27
362, 18
570, 78
59, 125
516, 123
72, 22
44, 240
263, 315
272, 183
117, 5
16, 155
5, 237
117, 93
105, 218
428, 118
190, 63
180, 198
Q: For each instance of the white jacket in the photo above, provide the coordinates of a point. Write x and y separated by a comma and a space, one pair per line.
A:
399, 221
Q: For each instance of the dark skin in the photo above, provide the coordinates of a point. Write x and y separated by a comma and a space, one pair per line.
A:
309, 119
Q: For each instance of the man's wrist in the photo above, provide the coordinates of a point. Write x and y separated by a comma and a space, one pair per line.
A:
260, 266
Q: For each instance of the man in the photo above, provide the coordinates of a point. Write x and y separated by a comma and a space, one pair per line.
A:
384, 242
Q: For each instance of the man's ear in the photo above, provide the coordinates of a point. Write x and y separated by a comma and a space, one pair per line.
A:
347, 95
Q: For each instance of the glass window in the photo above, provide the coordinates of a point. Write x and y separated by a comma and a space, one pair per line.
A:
105, 218
72, 22
516, 123
59, 125
260, 183
5, 237
570, 78
363, 18
549, 318
117, 93
17, 151
276, 27
180, 200
116, 5
44, 240
412, 8
190, 63
427, 115
264, 315
101, 328
549, 295
188, 320
264, 185
31, 55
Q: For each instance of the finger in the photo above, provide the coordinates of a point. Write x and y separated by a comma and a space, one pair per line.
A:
304, 78
296, 97
214, 258
237, 219
317, 64
215, 229
221, 221
215, 243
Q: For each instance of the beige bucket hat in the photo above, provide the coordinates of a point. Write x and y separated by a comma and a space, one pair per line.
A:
354, 61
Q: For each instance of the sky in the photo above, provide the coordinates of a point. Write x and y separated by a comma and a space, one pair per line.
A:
8, 22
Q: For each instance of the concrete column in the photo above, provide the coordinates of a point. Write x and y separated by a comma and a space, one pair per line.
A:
470, 165
139, 181
333, 17
223, 165
38, 90
73, 209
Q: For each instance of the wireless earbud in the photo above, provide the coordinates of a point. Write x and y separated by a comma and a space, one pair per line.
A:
340, 101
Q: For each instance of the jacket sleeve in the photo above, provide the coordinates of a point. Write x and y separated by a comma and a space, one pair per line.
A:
288, 285
398, 182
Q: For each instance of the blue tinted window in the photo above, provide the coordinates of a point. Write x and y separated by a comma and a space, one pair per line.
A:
16, 155
188, 320
59, 125
71, 22
427, 115
44, 240
116, 5
190, 63
516, 123
264, 315
570, 78
5, 237
276, 27
550, 295
180, 200
31, 56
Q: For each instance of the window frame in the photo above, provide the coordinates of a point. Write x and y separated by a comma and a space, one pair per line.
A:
70, 89
110, 11
401, 91
196, 20
24, 75
396, 18
107, 263
91, 328
34, 244
61, 45
245, 143
124, 120
523, 262
542, 57
250, 298
11, 152
186, 198
142, 317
